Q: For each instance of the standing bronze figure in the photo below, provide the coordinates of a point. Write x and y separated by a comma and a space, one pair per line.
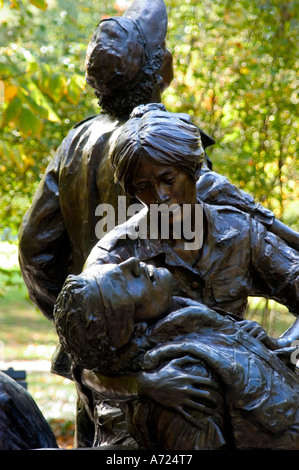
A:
127, 64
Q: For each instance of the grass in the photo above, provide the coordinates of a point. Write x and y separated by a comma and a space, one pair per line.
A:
274, 317
26, 335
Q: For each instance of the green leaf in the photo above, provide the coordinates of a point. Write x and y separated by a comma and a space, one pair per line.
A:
29, 123
34, 106
44, 77
57, 87
6, 150
75, 87
37, 101
11, 153
41, 4
7, 70
14, 4
12, 111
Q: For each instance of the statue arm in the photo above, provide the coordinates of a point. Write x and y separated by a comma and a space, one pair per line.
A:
276, 275
284, 342
213, 188
44, 248
170, 385
113, 388
290, 335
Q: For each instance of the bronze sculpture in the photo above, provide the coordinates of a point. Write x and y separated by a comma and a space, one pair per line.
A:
55, 238
238, 257
23, 427
58, 230
173, 363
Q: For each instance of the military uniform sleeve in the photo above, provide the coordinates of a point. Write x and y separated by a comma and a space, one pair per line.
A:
102, 255
44, 248
275, 268
215, 189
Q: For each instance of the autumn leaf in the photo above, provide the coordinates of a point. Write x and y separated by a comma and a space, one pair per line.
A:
10, 91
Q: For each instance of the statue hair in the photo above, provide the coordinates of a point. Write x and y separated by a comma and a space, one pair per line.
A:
161, 137
120, 102
82, 326
117, 89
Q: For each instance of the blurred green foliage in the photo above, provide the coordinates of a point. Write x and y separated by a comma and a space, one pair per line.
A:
236, 69
236, 74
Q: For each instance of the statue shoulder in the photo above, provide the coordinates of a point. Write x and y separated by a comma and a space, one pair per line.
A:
226, 212
84, 121
227, 223
101, 119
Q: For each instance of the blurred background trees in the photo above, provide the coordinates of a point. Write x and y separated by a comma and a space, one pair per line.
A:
236, 74
43, 91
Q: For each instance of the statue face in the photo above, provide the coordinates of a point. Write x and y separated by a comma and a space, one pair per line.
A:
161, 184
148, 286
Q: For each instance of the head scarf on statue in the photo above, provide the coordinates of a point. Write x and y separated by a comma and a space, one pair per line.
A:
126, 57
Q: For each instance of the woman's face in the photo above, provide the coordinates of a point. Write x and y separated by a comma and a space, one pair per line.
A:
167, 186
161, 184
149, 287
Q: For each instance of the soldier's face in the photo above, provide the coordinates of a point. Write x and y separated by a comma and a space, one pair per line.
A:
148, 287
